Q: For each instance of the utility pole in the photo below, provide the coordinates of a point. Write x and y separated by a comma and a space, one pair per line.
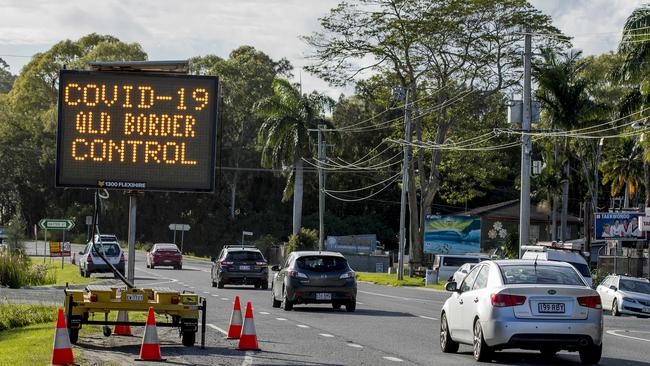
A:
405, 165
321, 188
526, 148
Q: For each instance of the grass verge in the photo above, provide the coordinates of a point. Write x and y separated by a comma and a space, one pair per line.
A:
391, 280
69, 274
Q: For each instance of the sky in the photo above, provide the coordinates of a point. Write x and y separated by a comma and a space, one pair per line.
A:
173, 30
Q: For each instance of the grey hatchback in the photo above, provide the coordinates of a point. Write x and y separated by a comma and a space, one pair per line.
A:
312, 277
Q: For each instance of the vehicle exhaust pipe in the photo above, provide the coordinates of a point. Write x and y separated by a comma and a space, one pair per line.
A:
583, 342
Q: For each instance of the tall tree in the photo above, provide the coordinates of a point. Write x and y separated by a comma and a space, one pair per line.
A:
622, 167
6, 78
285, 138
476, 49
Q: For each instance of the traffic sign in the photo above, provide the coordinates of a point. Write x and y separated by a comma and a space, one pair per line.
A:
179, 227
56, 224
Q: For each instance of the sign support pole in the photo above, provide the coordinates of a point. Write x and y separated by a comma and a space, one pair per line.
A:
174, 234
44, 246
182, 236
61, 250
131, 237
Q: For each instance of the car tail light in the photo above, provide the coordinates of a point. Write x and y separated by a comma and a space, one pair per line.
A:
174, 300
296, 274
505, 300
261, 264
346, 275
590, 301
122, 258
93, 298
89, 259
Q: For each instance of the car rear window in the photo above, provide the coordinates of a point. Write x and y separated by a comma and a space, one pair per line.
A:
634, 286
167, 248
109, 249
244, 256
322, 263
457, 261
582, 268
531, 274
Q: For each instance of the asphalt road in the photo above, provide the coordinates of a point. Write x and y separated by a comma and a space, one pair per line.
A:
390, 326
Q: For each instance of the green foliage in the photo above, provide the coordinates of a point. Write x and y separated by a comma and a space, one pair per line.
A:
16, 231
17, 315
6, 78
510, 245
306, 239
17, 270
622, 165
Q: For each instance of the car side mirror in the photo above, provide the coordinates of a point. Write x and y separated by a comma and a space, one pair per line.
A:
81, 253
213, 259
463, 271
275, 268
451, 286
612, 287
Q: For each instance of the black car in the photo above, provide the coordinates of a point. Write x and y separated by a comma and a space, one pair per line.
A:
239, 265
312, 277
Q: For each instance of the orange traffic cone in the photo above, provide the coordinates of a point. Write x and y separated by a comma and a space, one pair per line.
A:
234, 330
123, 330
62, 352
248, 338
150, 350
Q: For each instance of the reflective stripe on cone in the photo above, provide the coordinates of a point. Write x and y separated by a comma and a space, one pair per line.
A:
123, 330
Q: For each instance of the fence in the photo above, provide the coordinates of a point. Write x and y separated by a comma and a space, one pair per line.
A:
631, 266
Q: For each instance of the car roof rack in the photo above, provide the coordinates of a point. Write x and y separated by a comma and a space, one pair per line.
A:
245, 246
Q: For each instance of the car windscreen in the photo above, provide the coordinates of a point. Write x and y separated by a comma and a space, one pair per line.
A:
457, 261
582, 268
322, 263
531, 274
109, 249
634, 286
244, 256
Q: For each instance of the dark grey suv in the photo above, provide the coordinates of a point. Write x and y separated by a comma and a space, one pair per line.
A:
314, 278
239, 265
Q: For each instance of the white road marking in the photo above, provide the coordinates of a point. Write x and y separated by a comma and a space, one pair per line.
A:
248, 359
192, 287
264, 313
359, 303
354, 345
394, 359
326, 335
225, 299
216, 328
302, 326
427, 317
281, 319
206, 292
401, 297
215, 295
615, 333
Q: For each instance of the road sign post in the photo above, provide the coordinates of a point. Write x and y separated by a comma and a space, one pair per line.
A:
56, 225
182, 228
245, 233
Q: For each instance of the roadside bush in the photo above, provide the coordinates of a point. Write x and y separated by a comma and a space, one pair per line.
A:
306, 239
16, 229
17, 270
15, 316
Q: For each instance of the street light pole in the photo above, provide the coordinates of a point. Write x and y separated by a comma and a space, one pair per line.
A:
405, 164
321, 188
526, 148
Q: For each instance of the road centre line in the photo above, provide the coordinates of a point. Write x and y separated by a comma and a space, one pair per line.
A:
354, 345
302, 326
216, 328
427, 317
614, 333
264, 313
326, 335
225, 299
394, 359
215, 295
281, 319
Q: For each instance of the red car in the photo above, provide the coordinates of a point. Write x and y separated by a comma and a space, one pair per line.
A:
164, 254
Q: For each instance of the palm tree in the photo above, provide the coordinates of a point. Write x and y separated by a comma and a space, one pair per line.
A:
284, 136
566, 102
622, 166
635, 48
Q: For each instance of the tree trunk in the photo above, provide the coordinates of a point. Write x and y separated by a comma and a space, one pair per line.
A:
626, 200
554, 218
646, 182
233, 194
297, 197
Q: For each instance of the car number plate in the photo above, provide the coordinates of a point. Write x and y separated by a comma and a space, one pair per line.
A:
244, 268
646, 309
167, 260
550, 307
135, 297
323, 296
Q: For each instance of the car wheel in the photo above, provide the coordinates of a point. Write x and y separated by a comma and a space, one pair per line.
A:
447, 345
219, 283
336, 305
74, 335
275, 303
286, 304
590, 355
152, 266
265, 285
351, 306
615, 311
482, 352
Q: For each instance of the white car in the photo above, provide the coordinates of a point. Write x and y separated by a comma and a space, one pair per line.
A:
625, 295
90, 261
447, 264
462, 272
536, 305
559, 255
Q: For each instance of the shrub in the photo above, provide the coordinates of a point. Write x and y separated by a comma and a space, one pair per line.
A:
17, 270
306, 239
14, 316
16, 229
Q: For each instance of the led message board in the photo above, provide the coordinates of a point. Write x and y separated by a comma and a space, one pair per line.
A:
136, 131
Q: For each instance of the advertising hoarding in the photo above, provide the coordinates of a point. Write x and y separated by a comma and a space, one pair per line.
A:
452, 234
619, 225
136, 131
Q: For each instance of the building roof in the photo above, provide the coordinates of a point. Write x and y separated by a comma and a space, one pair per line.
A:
509, 211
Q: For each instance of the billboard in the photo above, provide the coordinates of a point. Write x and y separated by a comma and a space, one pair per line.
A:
136, 131
452, 234
619, 225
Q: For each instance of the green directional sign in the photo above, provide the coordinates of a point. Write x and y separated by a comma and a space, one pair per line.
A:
56, 224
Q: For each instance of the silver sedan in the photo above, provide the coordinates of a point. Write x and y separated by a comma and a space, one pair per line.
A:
527, 304
625, 295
